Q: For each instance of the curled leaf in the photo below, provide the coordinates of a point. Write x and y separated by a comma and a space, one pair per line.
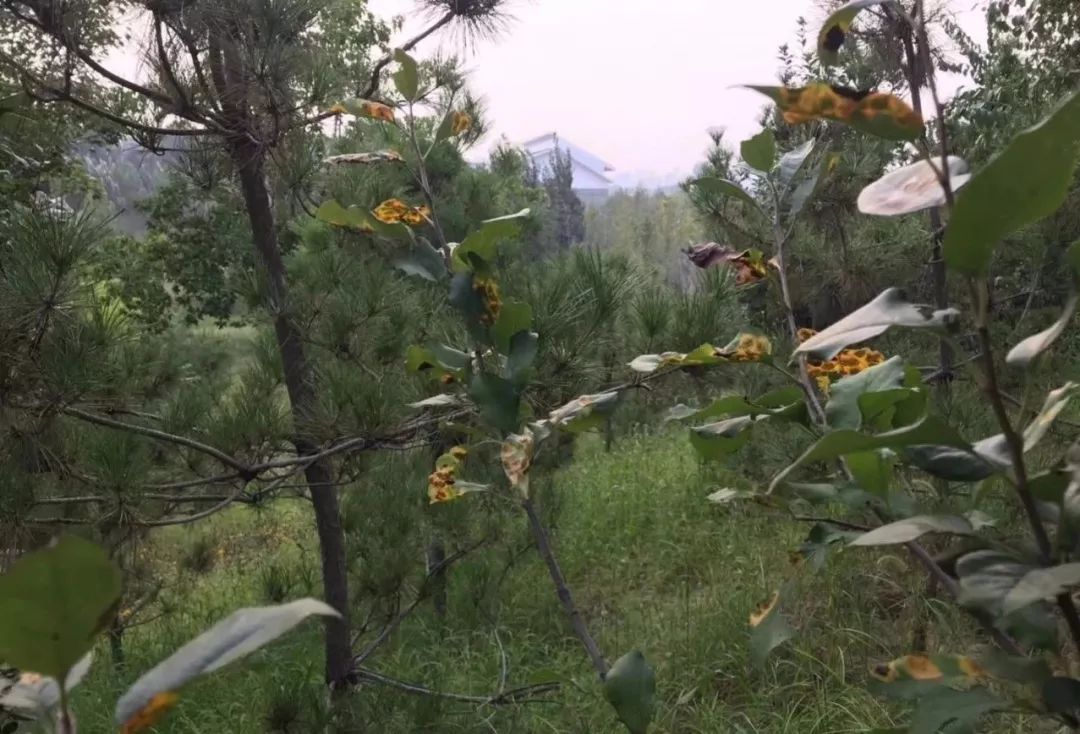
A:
764, 609
876, 113
378, 156
747, 348
584, 412
913, 188
516, 454
889, 309
364, 108
835, 31
1024, 353
749, 265
239, 634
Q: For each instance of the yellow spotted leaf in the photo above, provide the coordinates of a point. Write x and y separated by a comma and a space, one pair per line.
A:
151, 713
876, 113
460, 122
763, 609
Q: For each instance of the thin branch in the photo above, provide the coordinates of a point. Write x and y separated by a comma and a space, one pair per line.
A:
376, 72
421, 595
525, 694
543, 546
101, 420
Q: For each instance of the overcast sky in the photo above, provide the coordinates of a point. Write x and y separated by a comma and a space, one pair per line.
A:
636, 82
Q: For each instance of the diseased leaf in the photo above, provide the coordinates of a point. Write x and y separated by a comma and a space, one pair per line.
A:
793, 161
53, 603
913, 528
890, 309
912, 188
365, 158
759, 152
769, 629
1056, 400
876, 113
1024, 353
721, 188
364, 108
1022, 184
437, 401
834, 32
239, 634
35, 696
1040, 584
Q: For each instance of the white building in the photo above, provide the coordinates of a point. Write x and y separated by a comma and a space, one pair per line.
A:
591, 183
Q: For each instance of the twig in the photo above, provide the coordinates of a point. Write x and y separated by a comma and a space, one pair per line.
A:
543, 546
525, 694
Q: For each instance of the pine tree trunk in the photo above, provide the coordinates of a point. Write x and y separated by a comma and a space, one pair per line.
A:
249, 160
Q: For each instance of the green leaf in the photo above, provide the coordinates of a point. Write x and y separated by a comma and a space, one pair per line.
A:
483, 243
1015, 668
759, 152
630, 688
450, 358
792, 162
720, 187
834, 32
1024, 353
872, 470
499, 401
1061, 695
523, 348
843, 409
987, 576
239, 634
407, 77
1040, 584
420, 259
1022, 184
769, 633
913, 528
513, 317
957, 709
53, 603
889, 309
778, 403
950, 463
716, 441
1055, 402
930, 430
820, 540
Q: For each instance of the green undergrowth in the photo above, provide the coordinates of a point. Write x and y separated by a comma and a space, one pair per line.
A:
653, 567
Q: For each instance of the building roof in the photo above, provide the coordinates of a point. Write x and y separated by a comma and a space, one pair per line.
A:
549, 141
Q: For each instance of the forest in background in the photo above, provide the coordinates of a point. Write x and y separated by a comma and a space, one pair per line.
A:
269, 339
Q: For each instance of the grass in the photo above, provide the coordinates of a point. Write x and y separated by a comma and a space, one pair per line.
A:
653, 566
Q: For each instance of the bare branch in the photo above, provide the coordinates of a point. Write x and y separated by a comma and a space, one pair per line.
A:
525, 694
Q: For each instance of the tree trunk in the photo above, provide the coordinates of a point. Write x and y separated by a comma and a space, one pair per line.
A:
249, 160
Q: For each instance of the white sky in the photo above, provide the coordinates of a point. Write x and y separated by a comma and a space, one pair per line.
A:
636, 82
